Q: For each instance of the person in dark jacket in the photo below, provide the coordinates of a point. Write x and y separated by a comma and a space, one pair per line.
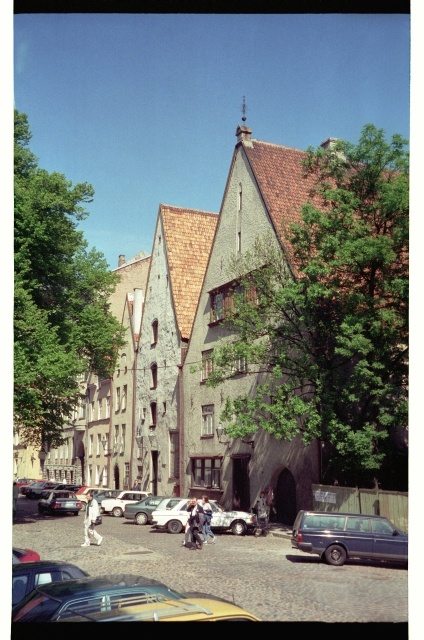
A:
196, 519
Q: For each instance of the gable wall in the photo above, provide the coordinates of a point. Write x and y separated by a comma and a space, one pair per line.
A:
166, 353
269, 456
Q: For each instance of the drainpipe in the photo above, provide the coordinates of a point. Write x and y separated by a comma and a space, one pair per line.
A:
181, 420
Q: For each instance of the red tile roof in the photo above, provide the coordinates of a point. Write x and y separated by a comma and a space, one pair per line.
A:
279, 174
188, 239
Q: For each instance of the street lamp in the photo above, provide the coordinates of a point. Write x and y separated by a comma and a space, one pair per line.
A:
220, 431
152, 438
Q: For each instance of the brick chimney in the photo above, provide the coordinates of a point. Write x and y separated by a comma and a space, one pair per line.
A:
121, 260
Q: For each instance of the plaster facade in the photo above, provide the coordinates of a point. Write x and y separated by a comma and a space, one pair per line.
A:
245, 469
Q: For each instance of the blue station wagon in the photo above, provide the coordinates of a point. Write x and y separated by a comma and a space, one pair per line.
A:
337, 537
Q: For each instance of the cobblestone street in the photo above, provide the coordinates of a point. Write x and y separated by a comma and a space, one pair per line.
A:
264, 575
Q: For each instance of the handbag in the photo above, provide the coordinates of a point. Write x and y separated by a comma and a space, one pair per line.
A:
98, 520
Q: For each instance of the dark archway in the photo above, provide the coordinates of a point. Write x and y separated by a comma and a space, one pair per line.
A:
116, 477
241, 484
285, 498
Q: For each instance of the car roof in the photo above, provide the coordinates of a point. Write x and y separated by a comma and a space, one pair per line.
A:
190, 609
82, 586
44, 564
336, 513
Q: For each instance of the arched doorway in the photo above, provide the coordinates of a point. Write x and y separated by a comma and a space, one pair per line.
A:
285, 498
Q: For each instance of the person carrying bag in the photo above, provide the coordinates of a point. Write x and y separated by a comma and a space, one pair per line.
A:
92, 517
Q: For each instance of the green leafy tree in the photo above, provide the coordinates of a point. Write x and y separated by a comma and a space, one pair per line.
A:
329, 347
62, 322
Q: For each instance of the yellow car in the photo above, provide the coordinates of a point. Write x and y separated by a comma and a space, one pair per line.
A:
185, 610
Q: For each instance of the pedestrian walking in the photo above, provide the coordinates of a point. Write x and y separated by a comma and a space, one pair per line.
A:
207, 531
196, 519
137, 485
91, 513
15, 497
187, 535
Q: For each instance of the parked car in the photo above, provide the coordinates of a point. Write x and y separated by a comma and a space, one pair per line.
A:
116, 506
86, 596
28, 575
34, 492
82, 493
58, 487
105, 494
60, 502
337, 537
26, 488
24, 482
141, 512
24, 555
172, 515
204, 609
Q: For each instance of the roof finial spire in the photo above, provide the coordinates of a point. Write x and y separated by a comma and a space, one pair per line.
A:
244, 109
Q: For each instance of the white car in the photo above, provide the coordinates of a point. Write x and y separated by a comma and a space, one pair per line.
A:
116, 506
172, 515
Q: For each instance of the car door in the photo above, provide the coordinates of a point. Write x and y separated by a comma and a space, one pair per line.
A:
359, 537
220, 518
389, 544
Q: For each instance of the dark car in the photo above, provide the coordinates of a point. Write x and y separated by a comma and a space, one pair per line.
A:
26, 488
337, 537
141, 512
29, 575
58, 487
34, 492
60, 502
62, 600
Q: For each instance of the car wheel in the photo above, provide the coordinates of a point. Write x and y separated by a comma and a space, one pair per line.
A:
40, 510
335, 555
117, 512
76, 513
239, 528
175, 526
141, 518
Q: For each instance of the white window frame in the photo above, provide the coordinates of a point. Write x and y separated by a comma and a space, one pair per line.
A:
208, 415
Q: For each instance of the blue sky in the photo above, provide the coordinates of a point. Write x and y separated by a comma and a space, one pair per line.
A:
145, 106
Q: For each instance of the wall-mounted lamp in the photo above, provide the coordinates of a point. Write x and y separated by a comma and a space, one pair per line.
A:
152, 438
104, 442
220, 431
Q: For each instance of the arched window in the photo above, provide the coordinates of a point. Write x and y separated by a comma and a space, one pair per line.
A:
154, 376
155, 326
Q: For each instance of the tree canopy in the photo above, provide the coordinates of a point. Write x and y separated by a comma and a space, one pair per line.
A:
329, 347
62, 323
